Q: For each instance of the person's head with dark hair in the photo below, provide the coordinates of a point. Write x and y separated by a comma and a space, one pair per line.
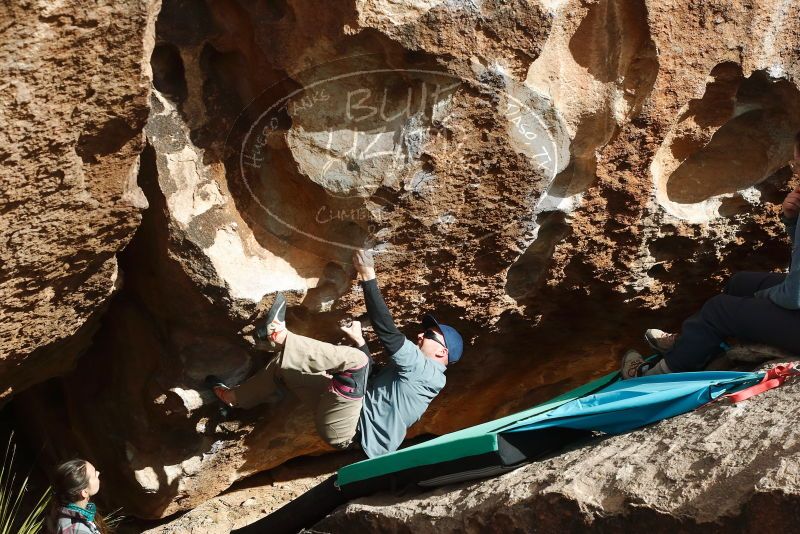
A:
74, 483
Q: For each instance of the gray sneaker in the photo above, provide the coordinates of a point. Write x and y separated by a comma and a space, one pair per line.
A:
659, 340
633, 365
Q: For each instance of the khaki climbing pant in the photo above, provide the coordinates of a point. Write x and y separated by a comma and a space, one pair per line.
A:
306, 366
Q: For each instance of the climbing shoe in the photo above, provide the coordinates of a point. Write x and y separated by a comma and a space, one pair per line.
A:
220, 389
659, 340
275, 322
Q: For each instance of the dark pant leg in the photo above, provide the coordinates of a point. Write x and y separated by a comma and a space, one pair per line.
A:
700, 336
751, 319
746, 283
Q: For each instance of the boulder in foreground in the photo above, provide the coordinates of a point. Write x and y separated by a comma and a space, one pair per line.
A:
718, 468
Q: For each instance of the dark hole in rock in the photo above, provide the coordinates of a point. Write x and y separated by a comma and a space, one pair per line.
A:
169, 76
657, 271
185, 23
672, 247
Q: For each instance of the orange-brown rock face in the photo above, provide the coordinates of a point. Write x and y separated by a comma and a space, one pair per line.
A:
73, 107
548, 176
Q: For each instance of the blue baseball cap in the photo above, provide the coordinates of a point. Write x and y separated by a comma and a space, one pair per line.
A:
452, 339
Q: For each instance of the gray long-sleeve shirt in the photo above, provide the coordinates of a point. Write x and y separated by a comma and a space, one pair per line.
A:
397, 398
787, 293
400, 394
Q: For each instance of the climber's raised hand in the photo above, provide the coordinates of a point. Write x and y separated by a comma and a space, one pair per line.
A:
364, 264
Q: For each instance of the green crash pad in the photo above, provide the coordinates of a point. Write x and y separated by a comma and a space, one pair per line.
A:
472, 441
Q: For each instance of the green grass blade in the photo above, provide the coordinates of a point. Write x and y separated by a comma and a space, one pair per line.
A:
12, 496
34, 521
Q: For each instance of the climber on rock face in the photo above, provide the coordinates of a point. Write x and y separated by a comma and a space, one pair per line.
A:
755, 307
332, 379
402, 391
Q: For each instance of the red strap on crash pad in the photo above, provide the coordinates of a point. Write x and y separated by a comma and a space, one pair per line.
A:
772, 378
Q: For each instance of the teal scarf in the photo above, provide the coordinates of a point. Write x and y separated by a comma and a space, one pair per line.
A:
87, 512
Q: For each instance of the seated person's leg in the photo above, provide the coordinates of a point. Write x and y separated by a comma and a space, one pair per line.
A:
702, 333
746, 283
762, 321
742, 284
751, 319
